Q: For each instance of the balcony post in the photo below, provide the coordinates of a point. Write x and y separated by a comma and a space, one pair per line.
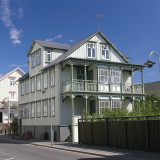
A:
97, 78
110, 81
71, 77
132, 86
121, 80
85, 77
142, 81
86, 99
72, 104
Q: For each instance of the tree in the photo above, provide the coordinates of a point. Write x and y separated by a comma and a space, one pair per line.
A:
14, 126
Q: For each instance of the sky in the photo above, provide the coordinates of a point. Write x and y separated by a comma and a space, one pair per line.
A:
133, 26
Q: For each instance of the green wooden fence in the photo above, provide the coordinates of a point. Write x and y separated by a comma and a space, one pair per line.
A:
138, 133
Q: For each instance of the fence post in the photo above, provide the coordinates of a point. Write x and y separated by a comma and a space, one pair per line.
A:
148, 135
125, 133
92, 131
107, 137
78, 132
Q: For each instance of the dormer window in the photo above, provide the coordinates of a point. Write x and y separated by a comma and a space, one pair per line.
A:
48, 55
91, 50
105, 52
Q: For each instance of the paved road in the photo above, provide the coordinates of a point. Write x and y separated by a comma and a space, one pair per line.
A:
10, 151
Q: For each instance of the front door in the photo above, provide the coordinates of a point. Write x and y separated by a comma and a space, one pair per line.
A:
92, 106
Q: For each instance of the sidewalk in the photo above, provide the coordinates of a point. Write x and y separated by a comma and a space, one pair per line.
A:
106, 152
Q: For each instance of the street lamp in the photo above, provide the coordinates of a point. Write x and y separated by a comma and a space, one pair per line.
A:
150, 63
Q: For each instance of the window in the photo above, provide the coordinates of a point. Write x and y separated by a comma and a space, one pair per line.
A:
38, 108
12, 95
91, 50
45, 108
52, 107
103, 75
23, 111
32, 109
116, 104
38, 57
80, 73
27, 86
27, 110
33, 60
48, 55
52, 77
105, 52
20, 111
45, 80
38, 82
115, 76
22, 88
103, 105
32, 84
12, 82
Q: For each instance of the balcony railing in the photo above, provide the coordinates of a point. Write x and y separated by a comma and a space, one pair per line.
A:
93, 86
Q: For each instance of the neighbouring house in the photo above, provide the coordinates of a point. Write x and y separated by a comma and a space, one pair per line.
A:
9, 96
65, 81
152, 88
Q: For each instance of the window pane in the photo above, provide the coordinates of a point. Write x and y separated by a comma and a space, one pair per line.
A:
89, 52
93, 52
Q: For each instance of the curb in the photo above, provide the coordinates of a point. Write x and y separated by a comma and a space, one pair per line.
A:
83, 152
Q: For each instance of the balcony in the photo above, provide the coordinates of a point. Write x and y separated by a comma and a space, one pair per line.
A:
93, 86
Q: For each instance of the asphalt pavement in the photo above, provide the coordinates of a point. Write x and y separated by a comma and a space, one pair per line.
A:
108, 153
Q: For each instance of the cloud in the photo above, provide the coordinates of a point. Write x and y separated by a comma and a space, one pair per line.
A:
71, 40
152, 73
54, 38
20, 12
6, 18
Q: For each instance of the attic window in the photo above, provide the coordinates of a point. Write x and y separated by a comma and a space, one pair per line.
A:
48, 55
91, 50
105, 52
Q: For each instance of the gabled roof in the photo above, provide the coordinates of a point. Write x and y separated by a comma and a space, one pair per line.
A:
79, 44
50, 45
2, 76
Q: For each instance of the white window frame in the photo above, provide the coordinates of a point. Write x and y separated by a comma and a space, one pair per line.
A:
104, 75
33, 84
116, 104
38, 57
115, 76
52, 77
92, 47
105, 52
103, 105
45, 108
22, 88
38, 109
48, 55
52, 107
32, 109
45, 80
38, 82
12, 82
27, 110
33, 60
27, 86
12, 95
